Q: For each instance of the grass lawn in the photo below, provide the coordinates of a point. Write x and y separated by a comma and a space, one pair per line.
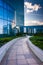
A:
7, 39
4, 40
38, 41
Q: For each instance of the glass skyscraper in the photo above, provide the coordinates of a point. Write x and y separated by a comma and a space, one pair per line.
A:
7, 14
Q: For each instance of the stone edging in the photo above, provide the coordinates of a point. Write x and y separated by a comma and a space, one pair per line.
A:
37, 51
5, 47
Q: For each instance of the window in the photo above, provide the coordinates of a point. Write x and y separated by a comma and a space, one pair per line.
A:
1, 3
4, 4
1, 12
1, 26
10, 9
10, 16
5, 14
5, 22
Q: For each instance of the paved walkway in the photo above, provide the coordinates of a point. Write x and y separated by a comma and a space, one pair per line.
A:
20, 54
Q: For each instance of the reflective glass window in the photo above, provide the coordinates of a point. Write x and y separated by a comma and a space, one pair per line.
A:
10, 16
1, 26
4, 4
5, 14
10, 9
1, 12
5, 23
1, 2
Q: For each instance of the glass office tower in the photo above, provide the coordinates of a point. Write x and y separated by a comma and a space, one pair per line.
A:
7, 15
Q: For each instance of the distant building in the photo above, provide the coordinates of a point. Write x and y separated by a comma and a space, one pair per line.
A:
31, 29
15, 30
5, 29
9, 29
24, 29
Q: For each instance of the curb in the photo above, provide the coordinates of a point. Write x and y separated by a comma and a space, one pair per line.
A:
37, 51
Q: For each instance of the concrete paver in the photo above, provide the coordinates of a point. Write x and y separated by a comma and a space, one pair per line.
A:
20, 54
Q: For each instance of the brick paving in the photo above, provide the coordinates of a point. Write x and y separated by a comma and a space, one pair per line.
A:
20, 54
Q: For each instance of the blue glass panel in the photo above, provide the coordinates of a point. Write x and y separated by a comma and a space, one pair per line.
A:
1, 3
4, 4
10, 16
5, 14
1, 26
5, 27
10, 8
1, 12
5, 23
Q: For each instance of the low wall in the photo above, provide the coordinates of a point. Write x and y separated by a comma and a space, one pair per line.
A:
37, 51
5, 47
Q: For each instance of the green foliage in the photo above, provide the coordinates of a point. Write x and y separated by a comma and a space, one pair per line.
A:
38, 41
6, 39
38, 34
20, 34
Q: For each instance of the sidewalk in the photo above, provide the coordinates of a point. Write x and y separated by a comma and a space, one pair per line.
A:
20, 54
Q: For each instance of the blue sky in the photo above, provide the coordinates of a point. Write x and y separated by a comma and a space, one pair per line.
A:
33, 11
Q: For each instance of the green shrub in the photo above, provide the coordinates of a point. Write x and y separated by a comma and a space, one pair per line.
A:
38, 41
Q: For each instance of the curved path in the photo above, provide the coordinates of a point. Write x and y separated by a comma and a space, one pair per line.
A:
20, 54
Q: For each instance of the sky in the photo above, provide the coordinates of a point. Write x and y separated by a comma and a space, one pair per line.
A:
33, 12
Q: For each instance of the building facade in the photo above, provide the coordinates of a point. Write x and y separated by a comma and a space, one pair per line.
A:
7, 14
31, 29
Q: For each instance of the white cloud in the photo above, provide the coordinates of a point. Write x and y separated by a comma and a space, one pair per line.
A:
28, 11
34, 22
30, 7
